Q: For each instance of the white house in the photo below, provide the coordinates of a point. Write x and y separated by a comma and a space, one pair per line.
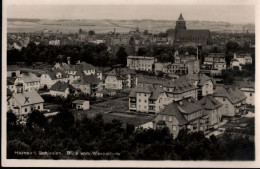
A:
24, 103
28, 81
88, 84
62, 89
50, 77
140, 63
147, 98
80, 104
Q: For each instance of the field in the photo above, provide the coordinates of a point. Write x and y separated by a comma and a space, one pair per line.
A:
104, 26
114, 109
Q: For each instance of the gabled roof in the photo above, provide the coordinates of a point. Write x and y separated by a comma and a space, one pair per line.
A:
120, 72
27, 98
233, 94
52, 73
154, 90
209, 103
193, 34
201, 78
61, 86
87, 66
177, 109
79, 101
29, 77
87, 79
10, 81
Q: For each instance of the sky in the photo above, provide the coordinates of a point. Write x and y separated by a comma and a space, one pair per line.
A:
233, 11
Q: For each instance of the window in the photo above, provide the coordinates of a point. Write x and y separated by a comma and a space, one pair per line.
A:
139, 100
145, 101
170, 118
224, 99
144, 107
25, 110
39, 107
251, 94
174, 128
226, 105
139, 106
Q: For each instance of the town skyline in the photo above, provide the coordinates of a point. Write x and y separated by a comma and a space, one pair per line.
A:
215, 13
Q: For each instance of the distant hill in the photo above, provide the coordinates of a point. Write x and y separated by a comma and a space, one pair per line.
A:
121, 26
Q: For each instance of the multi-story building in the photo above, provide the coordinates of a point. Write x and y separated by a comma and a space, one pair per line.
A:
232, 99
204, 83
24, 103
243, 58
50, 77
141, 63
120, 78
248, 88
215, 62
147, 98
88, 84
182, 114
27, 82
212, 109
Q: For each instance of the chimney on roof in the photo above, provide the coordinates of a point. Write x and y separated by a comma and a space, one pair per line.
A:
68, 59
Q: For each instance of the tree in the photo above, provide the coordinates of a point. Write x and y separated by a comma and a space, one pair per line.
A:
11, 118
228, 76
14, 146
91, 32
121, 56
142, 51
36, 117
146, 32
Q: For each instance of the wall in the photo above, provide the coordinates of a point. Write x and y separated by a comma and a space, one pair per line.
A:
228, 110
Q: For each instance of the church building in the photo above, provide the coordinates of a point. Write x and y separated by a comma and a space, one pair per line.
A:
190, 37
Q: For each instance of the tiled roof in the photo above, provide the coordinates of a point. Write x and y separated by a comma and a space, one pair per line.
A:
185, 106
87, 79
29, 77
79, 101
232, 93
61, 86
87, 66
28, 98
209, 103
155, 91
192, 34
201, 78
52, 73
120, 72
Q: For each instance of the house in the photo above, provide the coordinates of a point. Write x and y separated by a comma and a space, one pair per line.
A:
11, 86
141, 63
80, 104
50, 77
239, 60
24, 103
215, 62
232, 99
243, 58
13, 71
248, 88
182, 114
147, 98
54, 42
176, 89
62, 89
89, 69
27, 82
120, 78
105, 93
88, 84
204, 83
212, 108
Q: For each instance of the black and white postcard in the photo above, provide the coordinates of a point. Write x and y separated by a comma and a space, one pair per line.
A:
117, 83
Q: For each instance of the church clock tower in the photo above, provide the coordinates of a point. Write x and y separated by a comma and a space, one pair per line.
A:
180, 24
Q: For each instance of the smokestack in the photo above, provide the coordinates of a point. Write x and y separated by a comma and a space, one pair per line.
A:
199, 52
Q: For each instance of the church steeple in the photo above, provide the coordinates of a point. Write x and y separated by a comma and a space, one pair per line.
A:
180, 23
180, 18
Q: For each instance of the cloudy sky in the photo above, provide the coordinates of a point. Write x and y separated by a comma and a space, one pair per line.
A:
234, 11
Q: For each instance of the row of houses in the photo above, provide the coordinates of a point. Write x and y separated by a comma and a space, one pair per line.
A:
193, 102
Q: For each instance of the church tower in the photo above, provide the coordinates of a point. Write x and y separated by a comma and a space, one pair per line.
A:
180, 24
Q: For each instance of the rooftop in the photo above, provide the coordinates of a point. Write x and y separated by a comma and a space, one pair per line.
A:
27, 98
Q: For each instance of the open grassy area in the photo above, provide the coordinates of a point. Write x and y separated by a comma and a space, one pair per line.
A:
114, 109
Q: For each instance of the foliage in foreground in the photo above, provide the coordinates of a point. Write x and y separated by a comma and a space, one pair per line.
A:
64, 134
